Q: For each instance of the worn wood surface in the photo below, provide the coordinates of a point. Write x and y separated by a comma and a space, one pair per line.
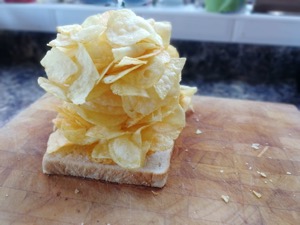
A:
219, 161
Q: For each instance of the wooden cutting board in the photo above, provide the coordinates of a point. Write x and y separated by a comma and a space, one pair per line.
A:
219, 161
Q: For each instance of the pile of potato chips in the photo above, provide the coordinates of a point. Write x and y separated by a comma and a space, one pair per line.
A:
118, 77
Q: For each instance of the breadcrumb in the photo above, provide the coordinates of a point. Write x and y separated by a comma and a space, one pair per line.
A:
255, 146
76, 191
288, 173
261, 174
155, 193
198, 131
225, 198
257, 194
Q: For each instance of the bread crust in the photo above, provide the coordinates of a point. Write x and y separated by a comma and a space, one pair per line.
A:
153, 174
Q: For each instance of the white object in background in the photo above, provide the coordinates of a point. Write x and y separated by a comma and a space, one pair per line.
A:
278, 30
20, 17
170, 3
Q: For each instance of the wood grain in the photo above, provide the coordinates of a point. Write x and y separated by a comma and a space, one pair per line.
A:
219, 161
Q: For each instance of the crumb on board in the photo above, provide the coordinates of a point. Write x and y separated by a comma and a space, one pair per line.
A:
255, 146
250, 167
257, 194
76, 191
198, 131
6, 195
266, 182
225, 198
221, 171
155, 193
288, 173
261, 174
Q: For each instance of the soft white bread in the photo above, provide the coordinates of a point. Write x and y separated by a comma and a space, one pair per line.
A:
154, 173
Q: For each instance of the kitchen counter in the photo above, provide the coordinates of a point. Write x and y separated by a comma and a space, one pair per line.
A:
263, 73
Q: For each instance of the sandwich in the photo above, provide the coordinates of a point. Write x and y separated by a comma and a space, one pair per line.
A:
121, 103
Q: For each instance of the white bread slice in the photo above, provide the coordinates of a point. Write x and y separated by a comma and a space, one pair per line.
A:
154, 173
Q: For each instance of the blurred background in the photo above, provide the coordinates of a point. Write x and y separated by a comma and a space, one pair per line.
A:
234, 48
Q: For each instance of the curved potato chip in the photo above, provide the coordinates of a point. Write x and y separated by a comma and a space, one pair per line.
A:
105, 133
87, 77
106, 109
125, 153
101, 54
170, 77
109, 99
58, 66
147, 75
161, 142
172, 51
164, 30
57, 141
99, 89
68, 29
87, 34
136, 105
101, 154
128, 61
114, 77
63, 40
125, 28
124, 89
98, 118
186, 94
53, 88
133, 51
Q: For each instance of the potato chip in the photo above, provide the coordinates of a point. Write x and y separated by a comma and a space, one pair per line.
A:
57, 141
59, 67
148, 75
133, 51
101, 153
170, 77
135, 106
101, 54
104, 133
98, 90
172, 51
98, 118
126, 153
186, 94
128, 61
161, 142
87, 77
164, 30
114, 77
125, 28
57, 90
122, 88
106, 109
109, 99
68, 29
87, 34
63, 40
